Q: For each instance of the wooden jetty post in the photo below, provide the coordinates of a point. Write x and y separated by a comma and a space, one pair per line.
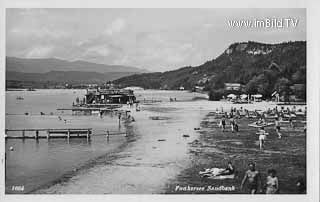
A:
119, 117
88, 134
108, 134
37, 134
68, 134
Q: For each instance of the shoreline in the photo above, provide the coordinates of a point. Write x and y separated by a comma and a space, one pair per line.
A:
152, 152
99, 160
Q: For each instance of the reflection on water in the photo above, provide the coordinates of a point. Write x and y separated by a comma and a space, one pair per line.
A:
33, 163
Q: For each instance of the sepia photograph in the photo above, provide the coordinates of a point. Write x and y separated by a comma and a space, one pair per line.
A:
169, 101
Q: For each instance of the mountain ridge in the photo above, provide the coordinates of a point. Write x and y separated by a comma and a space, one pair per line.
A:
43, 65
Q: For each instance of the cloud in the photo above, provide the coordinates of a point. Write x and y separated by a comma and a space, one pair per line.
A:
39, 52
116, 26
207, 25
101, 50
155, 39
38, 33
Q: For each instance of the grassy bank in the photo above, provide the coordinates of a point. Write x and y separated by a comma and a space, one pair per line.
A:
215, 148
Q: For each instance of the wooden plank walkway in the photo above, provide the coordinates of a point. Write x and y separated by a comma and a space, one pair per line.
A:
51, 133
59, 133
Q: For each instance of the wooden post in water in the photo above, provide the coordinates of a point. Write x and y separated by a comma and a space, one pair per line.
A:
48, 134
37, 135
88, 134
68, 134
108, 134
23, 134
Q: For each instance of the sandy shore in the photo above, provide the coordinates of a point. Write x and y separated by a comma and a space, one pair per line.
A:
156, 152
215, 148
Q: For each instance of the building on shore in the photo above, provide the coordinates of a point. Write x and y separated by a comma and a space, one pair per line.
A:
233, 86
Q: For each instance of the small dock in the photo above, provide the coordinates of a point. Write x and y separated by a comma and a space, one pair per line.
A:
50, 133
92, 108
147, 101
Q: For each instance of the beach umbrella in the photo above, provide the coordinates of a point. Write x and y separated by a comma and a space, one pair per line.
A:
231, 96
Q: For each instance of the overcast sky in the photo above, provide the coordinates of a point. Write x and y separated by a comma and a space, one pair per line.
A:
154, 39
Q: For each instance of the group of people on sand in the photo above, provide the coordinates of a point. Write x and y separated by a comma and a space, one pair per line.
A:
233, 123
234, 115
253, 183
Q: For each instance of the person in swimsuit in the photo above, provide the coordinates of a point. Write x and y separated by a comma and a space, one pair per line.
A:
291, 121
232, 124
272, 183
262, 137
277, 124
228, 171
253, 178
223, 124
236, 126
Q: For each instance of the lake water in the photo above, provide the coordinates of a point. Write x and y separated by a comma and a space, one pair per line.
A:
33, 164
141, 164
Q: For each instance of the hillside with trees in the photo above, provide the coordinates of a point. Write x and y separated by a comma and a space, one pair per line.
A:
260, 68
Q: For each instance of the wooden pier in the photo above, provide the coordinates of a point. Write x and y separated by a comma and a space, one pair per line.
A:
51, 133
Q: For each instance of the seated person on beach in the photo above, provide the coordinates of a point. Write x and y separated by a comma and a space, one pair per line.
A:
260, 121
229, 170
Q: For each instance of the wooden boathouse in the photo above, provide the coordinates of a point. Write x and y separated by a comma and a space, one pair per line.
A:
109, 96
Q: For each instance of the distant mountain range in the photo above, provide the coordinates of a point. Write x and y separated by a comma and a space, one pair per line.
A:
259, 67
45, 65
51, 69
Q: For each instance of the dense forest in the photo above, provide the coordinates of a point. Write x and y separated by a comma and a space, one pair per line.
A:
260, 68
